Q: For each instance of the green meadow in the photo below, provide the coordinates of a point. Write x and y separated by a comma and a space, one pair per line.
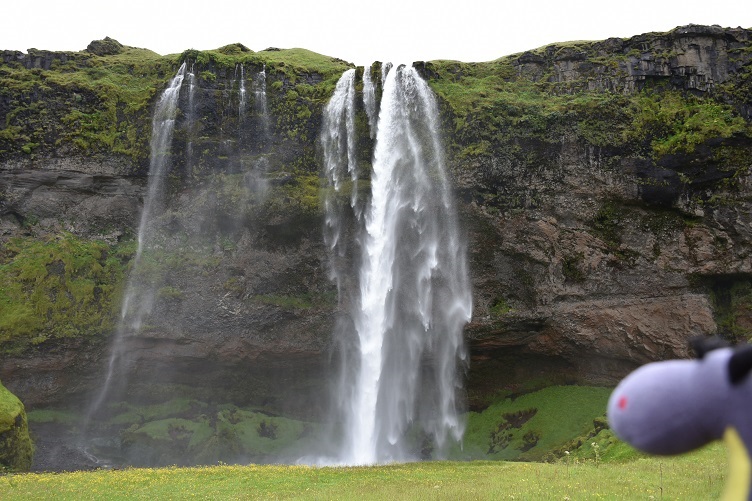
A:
699, 475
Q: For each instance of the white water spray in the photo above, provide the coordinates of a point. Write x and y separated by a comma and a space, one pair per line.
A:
137, 300
413, 296
259, 93
191, 117
369, 100
243, 100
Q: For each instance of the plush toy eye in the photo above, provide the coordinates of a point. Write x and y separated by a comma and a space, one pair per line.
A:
622, 404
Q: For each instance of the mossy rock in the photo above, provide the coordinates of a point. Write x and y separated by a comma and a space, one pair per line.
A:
106, 47
16, 449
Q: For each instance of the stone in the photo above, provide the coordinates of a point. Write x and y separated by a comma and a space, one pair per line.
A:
105, 47
16, 449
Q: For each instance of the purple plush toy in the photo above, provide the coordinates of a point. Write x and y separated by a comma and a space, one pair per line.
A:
676, 406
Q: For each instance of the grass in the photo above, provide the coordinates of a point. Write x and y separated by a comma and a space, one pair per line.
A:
83, 102
100, 105
533, 425
492, 104
699, 475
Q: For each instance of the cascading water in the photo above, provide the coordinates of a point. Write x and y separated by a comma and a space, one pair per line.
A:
402, 342
242, 100
190, 118
139, 297
259, 92
369, 100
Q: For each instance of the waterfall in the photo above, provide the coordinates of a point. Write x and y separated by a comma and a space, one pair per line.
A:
191, 117
242, 98
259, 93
402, 341
369, 100
138, 297
338, 141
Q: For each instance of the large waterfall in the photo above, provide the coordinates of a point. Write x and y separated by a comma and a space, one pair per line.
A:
401, 334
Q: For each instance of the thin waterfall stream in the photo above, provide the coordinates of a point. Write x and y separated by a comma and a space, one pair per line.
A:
137, 299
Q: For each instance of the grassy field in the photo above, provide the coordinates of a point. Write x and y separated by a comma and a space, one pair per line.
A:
699, 475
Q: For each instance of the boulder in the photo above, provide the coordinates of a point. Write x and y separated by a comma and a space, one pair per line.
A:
16, 449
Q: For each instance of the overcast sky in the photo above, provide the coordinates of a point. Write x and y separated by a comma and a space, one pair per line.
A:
359, 32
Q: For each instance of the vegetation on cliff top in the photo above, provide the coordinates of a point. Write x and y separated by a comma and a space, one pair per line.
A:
83, 103
492, 105
518, 108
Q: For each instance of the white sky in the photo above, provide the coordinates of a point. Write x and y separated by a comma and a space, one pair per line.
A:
359, 32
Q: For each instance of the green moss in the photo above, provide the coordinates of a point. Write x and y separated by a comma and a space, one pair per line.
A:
498, 109
208, 76
572, 267
16, 448
98, 104
170, 292
192, 431
128, 414
607, 225
500, 308
58, 287
604, 446
301, 196
731, 299
66, 417
676, 123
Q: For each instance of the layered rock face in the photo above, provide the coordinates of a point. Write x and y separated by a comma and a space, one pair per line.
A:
596, 251
604, 226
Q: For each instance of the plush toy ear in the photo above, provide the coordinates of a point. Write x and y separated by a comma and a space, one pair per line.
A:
702, 345
740, 364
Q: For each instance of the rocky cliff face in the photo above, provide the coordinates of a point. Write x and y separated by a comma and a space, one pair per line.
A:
599, 238
604, 187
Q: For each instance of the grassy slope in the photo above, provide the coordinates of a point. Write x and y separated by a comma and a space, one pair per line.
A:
699, 475
562, 414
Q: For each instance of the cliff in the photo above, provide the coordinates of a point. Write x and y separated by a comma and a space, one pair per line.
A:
604, 188
607, 190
